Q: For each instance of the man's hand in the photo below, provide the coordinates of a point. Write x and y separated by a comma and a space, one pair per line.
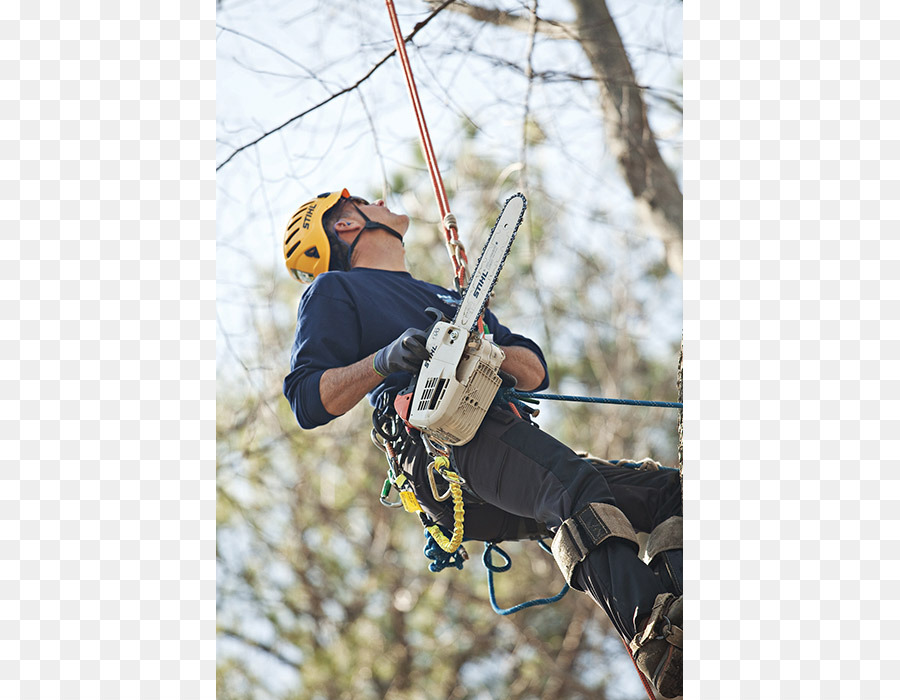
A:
405, 354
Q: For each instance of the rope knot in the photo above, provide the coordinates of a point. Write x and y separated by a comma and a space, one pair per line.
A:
449, 222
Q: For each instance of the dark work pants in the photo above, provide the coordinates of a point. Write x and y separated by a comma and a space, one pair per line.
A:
530, 482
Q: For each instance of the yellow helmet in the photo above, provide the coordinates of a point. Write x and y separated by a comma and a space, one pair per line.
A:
307, 245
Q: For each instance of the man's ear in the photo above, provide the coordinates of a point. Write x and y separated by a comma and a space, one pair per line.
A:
346, 226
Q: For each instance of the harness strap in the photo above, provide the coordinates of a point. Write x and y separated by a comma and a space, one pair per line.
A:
585, 531
665, 537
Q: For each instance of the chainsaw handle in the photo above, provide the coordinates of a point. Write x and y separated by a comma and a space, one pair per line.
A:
508, 381
436, 315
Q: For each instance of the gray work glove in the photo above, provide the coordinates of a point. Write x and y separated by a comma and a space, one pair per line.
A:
405, 354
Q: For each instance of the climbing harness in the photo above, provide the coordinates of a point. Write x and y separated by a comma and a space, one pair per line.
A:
389, 433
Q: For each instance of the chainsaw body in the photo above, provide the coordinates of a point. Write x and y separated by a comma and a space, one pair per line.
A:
456, 386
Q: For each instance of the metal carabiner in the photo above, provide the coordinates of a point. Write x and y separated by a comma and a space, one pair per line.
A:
432, 449
378, 440
434, 489
385, 492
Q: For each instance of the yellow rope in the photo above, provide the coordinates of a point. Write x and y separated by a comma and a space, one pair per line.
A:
459, 514
411, 504
441, 464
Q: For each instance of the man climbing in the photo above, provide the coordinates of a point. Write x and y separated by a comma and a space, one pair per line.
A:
360, 332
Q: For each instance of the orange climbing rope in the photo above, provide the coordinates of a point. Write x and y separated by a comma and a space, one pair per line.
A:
455, 247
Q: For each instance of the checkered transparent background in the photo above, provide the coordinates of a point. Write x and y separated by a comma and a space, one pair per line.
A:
107, 304
791, 338
791, 342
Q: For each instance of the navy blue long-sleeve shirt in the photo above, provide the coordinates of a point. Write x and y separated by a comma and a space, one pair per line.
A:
346, 316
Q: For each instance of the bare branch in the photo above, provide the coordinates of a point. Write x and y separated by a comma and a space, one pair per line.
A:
526, 116
261, 646
355, 85
267, 46
555, 76
501, 18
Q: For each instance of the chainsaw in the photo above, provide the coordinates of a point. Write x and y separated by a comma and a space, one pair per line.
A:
457, 384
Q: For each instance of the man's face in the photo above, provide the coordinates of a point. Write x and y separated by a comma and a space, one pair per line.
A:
376, 211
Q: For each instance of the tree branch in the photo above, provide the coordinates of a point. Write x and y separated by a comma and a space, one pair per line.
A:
629, 136
501, 18
261, 646
355, 85
266, 46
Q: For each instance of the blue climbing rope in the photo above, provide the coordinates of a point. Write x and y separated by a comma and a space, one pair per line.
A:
441, 559
637, 465
531, 396
487, 560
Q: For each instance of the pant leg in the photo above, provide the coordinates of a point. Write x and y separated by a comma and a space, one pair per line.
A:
647, 497
650, 497
522, 470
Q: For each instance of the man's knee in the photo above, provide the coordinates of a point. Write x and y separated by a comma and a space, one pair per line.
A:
586, 530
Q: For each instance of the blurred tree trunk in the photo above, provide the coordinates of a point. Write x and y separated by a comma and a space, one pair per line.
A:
681, 410
628, 133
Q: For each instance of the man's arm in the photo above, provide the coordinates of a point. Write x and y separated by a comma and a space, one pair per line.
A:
524, 365
341, 388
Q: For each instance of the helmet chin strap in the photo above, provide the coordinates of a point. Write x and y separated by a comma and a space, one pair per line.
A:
368, 225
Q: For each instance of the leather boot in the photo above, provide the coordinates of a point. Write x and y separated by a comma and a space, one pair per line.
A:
657, 647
